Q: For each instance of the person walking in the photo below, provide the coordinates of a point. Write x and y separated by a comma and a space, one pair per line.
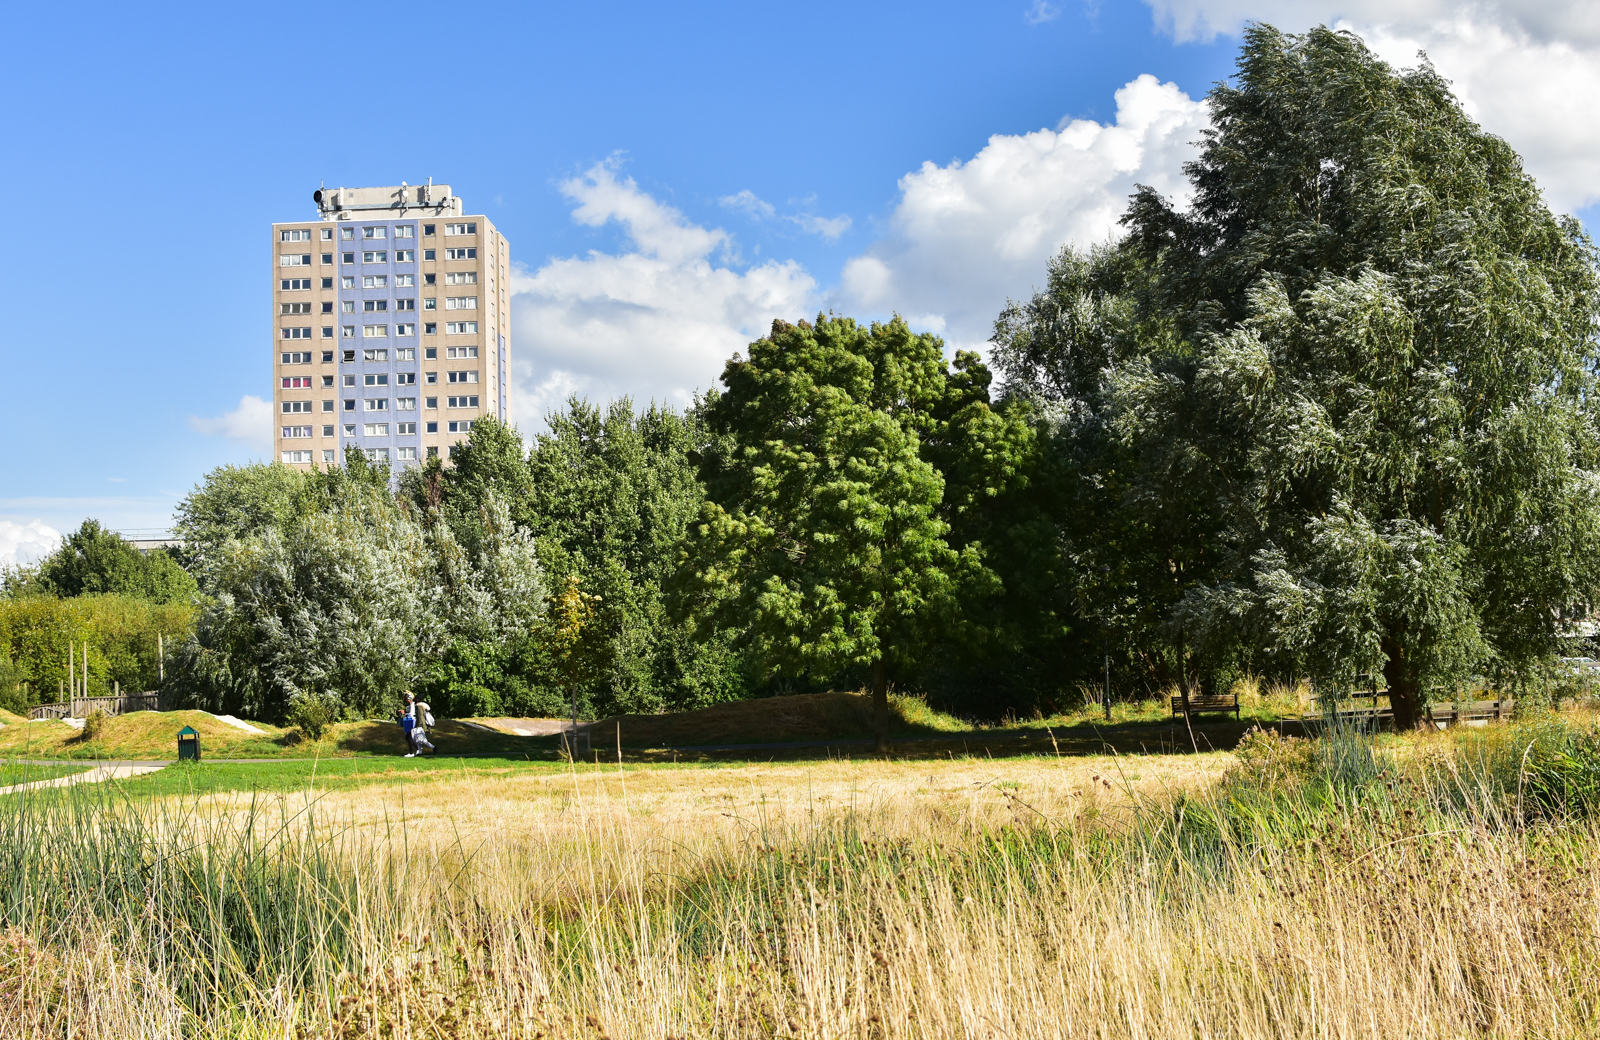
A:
421, 720
408, 722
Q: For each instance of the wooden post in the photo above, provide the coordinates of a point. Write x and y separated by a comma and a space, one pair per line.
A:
161, 659
72, 669
85, 689
1107, 697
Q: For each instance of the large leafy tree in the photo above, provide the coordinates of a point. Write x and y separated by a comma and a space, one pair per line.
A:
822, 539
1362, 363
93, 560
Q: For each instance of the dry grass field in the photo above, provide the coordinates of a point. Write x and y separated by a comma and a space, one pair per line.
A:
1413, 889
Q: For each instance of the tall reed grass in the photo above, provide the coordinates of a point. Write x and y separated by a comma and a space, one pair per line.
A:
1319, 890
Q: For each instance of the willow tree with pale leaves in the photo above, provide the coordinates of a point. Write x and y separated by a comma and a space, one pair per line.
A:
1357, 371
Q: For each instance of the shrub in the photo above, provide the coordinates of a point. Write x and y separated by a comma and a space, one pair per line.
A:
312, 715
95, 725
1266, 760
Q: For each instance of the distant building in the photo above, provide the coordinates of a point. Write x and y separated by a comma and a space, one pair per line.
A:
391, 328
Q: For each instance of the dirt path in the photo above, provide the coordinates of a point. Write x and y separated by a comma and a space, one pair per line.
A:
103, 771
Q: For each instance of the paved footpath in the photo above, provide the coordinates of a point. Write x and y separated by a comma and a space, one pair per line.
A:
101, 771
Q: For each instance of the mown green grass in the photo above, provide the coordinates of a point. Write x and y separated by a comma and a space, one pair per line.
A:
28, 772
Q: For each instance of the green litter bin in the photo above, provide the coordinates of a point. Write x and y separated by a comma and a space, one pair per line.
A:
188, 745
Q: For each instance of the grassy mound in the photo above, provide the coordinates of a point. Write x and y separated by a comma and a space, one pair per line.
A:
774, 720
139, 735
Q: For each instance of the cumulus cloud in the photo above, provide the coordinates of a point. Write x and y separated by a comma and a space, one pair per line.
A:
250, 423
655, 320
22, 544
965, 237
1527, 71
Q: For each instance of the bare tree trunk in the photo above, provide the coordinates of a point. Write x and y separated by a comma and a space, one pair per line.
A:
1405, 690
880, 704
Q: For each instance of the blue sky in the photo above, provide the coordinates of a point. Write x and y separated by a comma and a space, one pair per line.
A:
670, 179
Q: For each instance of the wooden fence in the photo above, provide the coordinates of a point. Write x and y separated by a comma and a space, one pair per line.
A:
82, 707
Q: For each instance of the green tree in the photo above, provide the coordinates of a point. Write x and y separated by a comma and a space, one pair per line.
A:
94, 560
822, 539
1365, 360
238, 501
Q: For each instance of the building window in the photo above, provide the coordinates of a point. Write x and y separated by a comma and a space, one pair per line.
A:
327, 332
464, 377
468, 253
375, 257
375, 429
405, 256
327, 359
463, 402
327, 283
461, 426
378, 454
348, 331
401, 429
297, 456
431, 353
406, 404
433, 453
297, 382
431, 377
429, 303
430, 402
296, 407
375, 281
374, 232
432, 427
327, 308
372, 306
375, 354
427, 254
430, 279
405, 305
294, 236
405, 329
460, 352
347, 282
349, 406
405, 378
350, 380
295, 284
461, 278
377, 379
349, 355
327, 234
295, 260
406, 354
347, 233
327, 259
294, 308
461, 229
327, 406
461, 328
405, 231
327, 453
404, 281
348, 258
350, 429
347, 306
304, 333
377, 404
427, 229
297, 431
404, 454
374, 331
460, 303
327, 382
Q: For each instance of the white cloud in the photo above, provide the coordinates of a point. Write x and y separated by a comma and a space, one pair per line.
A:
1527, 71
656, 321
251, 423
1041, 12
965, 237
26, 543
756, 208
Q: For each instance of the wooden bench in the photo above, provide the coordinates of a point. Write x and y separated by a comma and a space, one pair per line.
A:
1196, 703
1470, 711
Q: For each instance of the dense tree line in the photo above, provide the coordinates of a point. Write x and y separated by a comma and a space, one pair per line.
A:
1335, 417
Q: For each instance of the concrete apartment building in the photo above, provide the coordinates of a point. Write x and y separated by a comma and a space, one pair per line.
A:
391, 328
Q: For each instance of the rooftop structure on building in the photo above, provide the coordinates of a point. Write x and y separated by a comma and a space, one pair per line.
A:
362, 357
